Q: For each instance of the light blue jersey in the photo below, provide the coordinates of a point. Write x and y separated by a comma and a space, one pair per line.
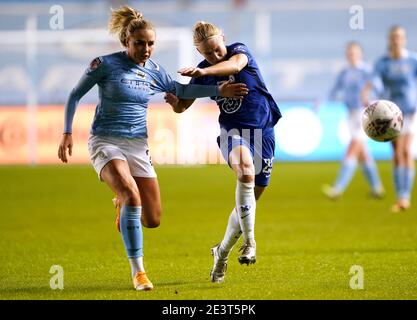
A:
350, 81
398, 79
124, 92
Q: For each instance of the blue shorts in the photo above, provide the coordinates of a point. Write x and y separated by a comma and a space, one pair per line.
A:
261, 145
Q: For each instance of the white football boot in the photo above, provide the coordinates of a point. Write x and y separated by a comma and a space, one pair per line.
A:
220, 265
248, 255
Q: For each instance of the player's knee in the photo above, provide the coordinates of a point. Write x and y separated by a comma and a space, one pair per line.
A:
246, 170
152, 222
406, 155
247, 178
399, 159
130, 196
151, 219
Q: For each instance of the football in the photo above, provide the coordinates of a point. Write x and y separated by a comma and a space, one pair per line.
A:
382, 120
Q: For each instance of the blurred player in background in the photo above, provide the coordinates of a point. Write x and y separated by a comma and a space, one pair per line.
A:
395, 79
350, 81
250, 156
118, 142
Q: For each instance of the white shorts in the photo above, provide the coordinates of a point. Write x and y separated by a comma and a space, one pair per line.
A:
409, 124
355, 125
134, 151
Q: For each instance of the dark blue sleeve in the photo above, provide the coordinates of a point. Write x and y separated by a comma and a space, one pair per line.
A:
240, 48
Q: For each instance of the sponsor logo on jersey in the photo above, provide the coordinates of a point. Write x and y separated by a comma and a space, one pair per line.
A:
136, 84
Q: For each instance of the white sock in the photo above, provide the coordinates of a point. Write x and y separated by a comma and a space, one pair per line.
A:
232, 233
246, 207
136, 264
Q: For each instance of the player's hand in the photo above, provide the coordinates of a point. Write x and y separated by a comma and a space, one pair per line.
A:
171, 99
192, 72
233, 90
66, 143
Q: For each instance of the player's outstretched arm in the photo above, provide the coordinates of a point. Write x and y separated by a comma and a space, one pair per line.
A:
178, 105
226, 89
225, 68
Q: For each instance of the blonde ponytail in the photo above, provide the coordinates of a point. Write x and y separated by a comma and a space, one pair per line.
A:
125, 21
205, 30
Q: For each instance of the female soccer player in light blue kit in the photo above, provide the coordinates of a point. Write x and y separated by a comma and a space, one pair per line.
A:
395, 77
117, 145
247, 139
350, 81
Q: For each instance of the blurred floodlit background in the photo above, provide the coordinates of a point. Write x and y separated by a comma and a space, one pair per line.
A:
45, 47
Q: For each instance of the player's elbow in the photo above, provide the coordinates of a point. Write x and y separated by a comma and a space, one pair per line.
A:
236, 68
179, 109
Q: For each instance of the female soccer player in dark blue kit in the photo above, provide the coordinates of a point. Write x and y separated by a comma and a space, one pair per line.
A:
118, 142
247, 139
395, 77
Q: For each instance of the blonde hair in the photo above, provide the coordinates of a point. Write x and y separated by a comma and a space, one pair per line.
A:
395, 28
352, 44
205, 30
125, 21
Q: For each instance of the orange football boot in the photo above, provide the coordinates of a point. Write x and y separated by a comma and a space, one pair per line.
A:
141, 282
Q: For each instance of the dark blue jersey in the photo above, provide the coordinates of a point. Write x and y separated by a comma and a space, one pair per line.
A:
257, 110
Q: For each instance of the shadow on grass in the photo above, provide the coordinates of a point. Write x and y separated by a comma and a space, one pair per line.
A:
341, 251
45, 291
114, 291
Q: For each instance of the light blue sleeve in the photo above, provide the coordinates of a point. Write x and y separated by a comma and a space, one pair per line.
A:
94, 73
414, 57
338, 85
164, 83
377, 78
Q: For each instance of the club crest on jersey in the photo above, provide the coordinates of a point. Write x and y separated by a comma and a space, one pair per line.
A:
94, 64
141, 74
229, 105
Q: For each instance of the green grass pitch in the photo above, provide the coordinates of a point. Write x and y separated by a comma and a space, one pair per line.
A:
62, 215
